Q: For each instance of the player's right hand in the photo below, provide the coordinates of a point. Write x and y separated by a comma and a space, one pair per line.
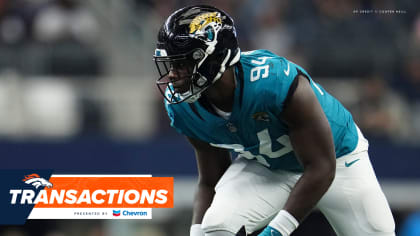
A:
270, 231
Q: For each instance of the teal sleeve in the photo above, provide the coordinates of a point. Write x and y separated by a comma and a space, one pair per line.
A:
177, 121
280, 86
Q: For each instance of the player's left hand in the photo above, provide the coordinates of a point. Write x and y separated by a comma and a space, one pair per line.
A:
270, 231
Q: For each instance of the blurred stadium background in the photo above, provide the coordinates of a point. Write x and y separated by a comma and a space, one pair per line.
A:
77, 92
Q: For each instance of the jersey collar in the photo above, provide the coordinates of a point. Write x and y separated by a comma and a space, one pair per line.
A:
202, 109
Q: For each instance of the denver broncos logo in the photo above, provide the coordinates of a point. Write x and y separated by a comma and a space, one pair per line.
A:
201, 21
36, 181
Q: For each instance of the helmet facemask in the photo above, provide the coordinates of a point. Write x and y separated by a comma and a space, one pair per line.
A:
189, 83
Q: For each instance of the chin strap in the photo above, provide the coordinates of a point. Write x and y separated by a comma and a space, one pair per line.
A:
236, 57
222, 67
219, 74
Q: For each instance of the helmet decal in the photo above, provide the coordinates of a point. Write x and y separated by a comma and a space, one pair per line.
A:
160, 52
201, 21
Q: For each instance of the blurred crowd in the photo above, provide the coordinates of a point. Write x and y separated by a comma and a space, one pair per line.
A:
72, 68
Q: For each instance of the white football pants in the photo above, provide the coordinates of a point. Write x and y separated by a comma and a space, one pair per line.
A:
250, 195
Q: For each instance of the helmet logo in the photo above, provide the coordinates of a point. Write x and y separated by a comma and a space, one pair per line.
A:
198, 25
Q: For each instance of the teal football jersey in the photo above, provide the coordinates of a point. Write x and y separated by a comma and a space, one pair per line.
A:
254, 129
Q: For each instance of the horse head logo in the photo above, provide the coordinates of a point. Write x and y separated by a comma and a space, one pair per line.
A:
37, 181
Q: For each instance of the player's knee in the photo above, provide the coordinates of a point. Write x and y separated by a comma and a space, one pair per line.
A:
219, 219
382, 223
378, 213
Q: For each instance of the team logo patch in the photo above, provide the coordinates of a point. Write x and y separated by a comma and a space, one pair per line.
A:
37, 181
261, 116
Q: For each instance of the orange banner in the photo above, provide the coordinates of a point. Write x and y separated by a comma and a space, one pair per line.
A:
107, 192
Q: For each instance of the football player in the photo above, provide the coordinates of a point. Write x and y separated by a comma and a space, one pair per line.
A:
298, 147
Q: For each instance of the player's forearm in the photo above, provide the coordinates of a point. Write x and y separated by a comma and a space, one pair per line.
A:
202, 200
310, 188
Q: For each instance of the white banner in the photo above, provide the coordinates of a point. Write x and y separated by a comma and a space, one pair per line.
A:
91, 213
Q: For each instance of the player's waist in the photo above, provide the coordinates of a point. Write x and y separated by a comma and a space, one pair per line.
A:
353, 143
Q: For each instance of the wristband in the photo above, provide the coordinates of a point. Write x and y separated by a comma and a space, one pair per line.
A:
196, 230
284, 222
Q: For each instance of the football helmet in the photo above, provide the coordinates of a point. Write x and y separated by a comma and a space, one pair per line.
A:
197, 44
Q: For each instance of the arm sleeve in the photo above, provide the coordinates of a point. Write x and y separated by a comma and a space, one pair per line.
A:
284, 84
